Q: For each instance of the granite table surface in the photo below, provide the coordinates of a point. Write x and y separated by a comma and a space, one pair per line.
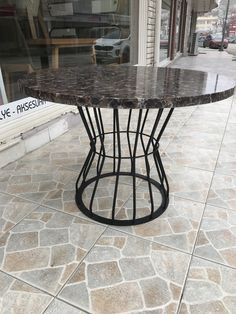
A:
127, 86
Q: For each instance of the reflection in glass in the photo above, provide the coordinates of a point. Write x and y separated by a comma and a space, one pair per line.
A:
177, 34
113, 46
51, 34
165, 24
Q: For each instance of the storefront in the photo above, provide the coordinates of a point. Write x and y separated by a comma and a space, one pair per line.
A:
48, 34
173, 28
38, 34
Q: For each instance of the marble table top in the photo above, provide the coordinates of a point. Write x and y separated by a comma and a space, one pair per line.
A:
127, 86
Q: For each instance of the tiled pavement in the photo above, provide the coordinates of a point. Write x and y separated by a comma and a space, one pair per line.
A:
55, 260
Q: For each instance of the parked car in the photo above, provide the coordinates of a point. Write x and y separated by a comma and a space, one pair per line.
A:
214, 41
113, 46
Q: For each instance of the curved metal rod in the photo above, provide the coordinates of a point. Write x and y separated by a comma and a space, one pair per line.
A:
133, 168
100, 159
158, 117
147, 162
117, 127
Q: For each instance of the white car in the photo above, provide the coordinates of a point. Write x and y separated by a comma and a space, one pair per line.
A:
113, 46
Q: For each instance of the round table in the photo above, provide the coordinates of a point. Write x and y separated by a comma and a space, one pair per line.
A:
149, 96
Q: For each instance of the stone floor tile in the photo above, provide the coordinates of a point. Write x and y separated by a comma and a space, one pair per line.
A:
59, 307
195, 157
199, 139
231, 127
187, 182
103, 198
211, 127
217, 237
203, 113
232, 116
226, 163
123, 274
69, 154
184, 182
12, 210
49, 186
68, 159
70, 142
210, 288
222, 106
29, 165
17, 297
75, 135
229, 141
181, 110
223, 191
46, 247
176, 228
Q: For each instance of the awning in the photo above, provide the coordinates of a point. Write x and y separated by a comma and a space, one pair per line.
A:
202, 6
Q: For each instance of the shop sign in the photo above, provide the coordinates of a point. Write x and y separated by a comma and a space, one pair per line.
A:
21, 107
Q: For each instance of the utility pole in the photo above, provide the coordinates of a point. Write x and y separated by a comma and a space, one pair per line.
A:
224, 27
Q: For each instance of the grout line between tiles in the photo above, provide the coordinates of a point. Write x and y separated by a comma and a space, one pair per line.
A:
29, 284
225, 208
55, 209
214, 262
214, 172
219, 173
5, 232
72, 274
47, 292
147, 240
180, 128
191, 258
192, 255
72, 305
183, 286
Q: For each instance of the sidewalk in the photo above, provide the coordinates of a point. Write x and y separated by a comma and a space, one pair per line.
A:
232, 49
54, 260
210, 60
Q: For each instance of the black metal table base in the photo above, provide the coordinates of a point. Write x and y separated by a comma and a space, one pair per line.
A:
113, 142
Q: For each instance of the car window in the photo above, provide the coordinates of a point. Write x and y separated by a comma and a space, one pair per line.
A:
217, 37
114, 33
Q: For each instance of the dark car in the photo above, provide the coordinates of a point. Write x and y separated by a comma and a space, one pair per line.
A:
214, 41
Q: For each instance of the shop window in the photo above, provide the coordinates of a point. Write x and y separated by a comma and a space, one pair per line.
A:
178, 25
165, 29
50, 34
182, 25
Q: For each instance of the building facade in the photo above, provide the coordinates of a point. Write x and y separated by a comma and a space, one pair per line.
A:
51, 34
208, 23
232, 24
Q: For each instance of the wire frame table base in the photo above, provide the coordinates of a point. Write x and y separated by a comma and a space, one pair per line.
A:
114, 140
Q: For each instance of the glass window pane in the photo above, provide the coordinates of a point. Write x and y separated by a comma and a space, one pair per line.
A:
164, 34
178, 11
50, 34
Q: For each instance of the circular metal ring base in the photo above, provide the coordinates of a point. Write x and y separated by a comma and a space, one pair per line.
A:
117, 222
